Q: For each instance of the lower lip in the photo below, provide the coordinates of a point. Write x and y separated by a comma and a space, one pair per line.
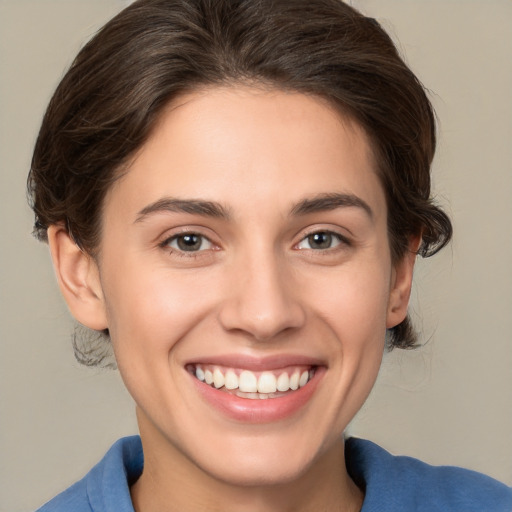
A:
267, 410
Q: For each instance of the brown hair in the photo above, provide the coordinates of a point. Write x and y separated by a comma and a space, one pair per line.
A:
108, 102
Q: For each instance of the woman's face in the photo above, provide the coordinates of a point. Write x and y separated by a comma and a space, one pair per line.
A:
247, 244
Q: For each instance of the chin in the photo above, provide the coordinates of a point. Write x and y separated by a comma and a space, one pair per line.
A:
267, 456
256, 468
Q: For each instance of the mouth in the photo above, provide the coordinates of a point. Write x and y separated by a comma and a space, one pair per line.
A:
257, 391
253, 385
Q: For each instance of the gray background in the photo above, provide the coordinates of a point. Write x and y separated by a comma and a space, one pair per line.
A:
447, 403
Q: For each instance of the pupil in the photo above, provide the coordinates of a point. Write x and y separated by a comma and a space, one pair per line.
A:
320, 240
189, 242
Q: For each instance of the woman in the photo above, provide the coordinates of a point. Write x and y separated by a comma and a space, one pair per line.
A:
234, 194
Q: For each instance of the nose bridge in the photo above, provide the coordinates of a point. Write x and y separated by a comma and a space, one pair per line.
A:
262, 300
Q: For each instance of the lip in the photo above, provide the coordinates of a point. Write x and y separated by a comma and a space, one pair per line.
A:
258, 364
254, 411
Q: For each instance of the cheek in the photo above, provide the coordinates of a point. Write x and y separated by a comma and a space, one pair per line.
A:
354, 308
150, 311
150, 314
353, 299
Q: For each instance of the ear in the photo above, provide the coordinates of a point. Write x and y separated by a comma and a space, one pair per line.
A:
78, 278
401, 283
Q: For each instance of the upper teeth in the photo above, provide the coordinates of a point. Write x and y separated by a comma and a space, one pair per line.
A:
250, 382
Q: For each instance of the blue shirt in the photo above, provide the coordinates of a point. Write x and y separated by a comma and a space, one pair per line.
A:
390, 483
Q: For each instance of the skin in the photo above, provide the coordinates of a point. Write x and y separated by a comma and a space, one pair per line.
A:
256, 287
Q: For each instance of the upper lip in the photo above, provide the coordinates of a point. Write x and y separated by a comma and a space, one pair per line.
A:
273, 362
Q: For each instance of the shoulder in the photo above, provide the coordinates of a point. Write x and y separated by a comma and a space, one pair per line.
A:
394, 483
72, 499
106, 487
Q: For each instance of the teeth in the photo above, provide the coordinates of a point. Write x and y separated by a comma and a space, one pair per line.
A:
252, 396
294, 381
267, 383
218, 378
249, 385
283, 382
247, 382
231, 381
199, 373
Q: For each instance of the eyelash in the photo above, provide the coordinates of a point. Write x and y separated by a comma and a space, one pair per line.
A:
166, 244
333, 237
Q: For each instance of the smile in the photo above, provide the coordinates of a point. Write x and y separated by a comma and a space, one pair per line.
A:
256, 390
253, 385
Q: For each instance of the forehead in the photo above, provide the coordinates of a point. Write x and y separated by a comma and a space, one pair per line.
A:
241, 145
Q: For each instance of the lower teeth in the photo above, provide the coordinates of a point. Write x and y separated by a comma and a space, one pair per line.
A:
257, 396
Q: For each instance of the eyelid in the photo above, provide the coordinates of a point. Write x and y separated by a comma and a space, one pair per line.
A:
203, 238
335, 243
343, 239
171, 235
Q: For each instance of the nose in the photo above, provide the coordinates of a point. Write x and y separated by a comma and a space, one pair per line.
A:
262, 300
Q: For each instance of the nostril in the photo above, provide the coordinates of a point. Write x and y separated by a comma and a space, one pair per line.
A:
262, 299
262, 322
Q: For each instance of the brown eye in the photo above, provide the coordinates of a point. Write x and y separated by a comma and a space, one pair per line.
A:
320, 240
189, 242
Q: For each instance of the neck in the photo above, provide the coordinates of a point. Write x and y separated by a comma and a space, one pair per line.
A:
171, 482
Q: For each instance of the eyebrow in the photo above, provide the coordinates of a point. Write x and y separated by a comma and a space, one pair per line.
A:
192, 206
332, 201
318, 203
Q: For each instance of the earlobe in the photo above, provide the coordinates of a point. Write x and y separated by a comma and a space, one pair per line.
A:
401, 286
78, 278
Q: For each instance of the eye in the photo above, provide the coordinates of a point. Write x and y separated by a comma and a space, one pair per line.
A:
321, 240
188, 242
